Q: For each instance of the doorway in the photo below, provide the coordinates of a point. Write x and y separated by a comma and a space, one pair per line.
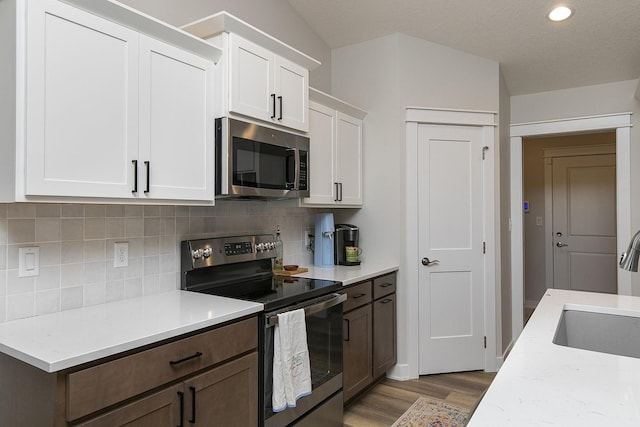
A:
570, 220
621, 124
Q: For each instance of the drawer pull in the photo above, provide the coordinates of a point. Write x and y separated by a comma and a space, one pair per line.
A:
386, 301
386, 285
193, 356
181, 397
193, 405
348, 330
356, 296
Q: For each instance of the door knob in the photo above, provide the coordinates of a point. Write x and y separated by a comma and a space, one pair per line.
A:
426, 261
560, 244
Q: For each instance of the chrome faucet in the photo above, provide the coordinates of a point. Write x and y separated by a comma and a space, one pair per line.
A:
630, 259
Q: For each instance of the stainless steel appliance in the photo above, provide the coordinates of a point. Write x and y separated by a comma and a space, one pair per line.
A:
254, 161
240, 267
345, 235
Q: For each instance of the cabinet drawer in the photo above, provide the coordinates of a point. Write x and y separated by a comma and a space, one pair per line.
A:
357, 295
384, 285
97, 387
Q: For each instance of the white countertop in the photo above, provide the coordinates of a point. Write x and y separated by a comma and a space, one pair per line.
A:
349, 274
69, 338
544, 384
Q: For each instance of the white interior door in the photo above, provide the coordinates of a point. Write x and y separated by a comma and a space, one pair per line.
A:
450, 230
584, 223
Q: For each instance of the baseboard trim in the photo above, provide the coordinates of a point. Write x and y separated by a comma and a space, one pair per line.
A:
400, 372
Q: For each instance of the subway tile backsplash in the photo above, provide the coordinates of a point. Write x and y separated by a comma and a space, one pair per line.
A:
76, 244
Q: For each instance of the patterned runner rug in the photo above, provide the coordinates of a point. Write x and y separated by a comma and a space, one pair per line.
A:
427, 412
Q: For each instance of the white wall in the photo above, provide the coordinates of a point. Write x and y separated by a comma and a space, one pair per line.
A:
274, 17
607, 98
383, 77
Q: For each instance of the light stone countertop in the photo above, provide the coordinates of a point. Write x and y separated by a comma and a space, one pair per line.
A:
57, 341
348, 274
544, 384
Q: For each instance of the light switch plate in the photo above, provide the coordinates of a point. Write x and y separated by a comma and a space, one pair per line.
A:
29, 261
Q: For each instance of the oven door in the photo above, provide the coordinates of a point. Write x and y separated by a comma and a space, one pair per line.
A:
324, 341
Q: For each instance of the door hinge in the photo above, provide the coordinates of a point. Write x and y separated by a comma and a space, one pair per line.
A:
485, 342
484, 247
484, 150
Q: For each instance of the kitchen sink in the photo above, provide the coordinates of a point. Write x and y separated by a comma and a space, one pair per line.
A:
604, 332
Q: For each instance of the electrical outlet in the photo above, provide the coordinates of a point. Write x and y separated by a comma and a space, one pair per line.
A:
121, 254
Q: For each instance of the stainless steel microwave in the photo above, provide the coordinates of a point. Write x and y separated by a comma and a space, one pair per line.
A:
254, 161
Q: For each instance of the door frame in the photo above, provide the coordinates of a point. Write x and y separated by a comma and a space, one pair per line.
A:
621, 123
487, 120
557, 152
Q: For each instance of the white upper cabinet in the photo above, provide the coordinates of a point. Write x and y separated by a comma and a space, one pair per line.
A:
335, 169
264, 78
82, 103
106, 111
176, 123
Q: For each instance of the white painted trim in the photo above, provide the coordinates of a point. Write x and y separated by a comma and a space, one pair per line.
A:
572, 125
621, 123
452, 117
400, 372
637, 95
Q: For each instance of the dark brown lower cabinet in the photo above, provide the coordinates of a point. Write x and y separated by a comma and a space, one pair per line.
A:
369, 342
209, 378
356, 351
224, 396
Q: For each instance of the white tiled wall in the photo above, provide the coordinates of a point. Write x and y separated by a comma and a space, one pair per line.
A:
76, 248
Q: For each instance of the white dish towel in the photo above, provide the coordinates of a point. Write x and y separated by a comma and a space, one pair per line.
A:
291, 369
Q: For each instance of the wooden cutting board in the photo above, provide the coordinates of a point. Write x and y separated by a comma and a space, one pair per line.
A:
300, 270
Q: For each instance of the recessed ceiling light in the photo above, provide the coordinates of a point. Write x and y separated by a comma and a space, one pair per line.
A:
560, 13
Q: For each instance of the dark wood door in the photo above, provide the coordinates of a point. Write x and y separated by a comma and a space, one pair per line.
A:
384, 334
224, 396
357, 372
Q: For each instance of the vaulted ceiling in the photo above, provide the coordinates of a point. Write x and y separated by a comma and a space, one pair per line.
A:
600, 43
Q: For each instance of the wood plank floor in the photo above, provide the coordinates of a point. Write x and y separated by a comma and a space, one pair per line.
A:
389, 399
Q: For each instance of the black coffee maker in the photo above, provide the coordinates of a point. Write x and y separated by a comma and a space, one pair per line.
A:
345, 235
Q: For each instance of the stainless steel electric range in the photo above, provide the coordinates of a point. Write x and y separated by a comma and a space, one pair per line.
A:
240, 267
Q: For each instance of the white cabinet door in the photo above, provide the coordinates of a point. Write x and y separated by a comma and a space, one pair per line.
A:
322, 125
349, 159
266, 86
82, 97
176, 123
292, 91
251, 80
335, 158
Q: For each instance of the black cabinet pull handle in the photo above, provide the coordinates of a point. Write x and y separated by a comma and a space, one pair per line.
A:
193, 356
386, 301
337, 198
273, 100
181, 397
340, 191
135, 176
356, 296
386, 285
146, 163
348, 329
193, 405
280, 100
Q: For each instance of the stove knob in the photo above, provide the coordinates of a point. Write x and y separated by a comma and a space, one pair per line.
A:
197, 253
259, 247
207, 252
272, 245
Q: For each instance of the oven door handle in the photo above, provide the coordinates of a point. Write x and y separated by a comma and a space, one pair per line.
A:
335, 299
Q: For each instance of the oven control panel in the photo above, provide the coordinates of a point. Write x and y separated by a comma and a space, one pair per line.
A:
202, 253
238, 248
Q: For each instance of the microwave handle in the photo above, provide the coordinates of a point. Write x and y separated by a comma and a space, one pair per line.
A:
296, 176
317, 307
